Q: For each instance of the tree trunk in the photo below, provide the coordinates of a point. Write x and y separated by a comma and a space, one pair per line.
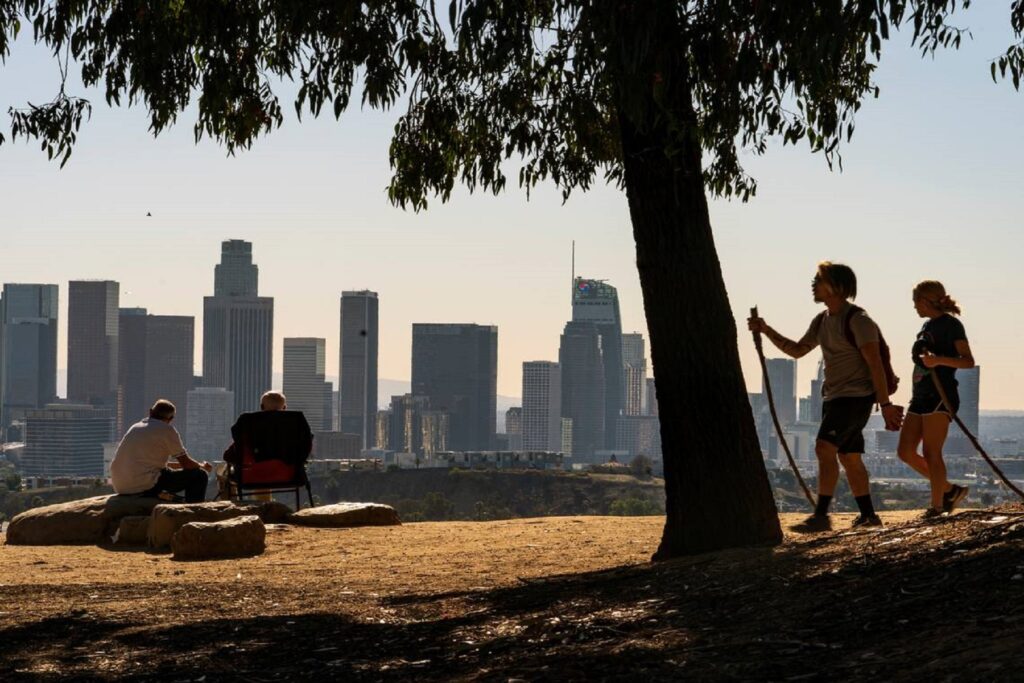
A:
717, 491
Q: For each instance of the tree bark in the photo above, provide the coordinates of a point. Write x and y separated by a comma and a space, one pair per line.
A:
716, 485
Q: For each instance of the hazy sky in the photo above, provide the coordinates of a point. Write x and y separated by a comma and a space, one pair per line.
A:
931, 189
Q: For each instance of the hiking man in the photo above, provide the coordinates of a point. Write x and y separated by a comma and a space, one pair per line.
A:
856, 378
141, 466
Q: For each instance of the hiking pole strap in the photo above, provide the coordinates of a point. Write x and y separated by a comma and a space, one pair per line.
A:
967, 432
775, 416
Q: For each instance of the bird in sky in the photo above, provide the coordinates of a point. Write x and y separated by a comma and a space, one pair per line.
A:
149, 215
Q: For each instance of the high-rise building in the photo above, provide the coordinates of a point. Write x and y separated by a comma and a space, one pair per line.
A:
970, 390
93, 341
597, 302
236, 274
456, 366
156, 360
542, 406
304, 384
28, 349
238, 329
639, 435
514, 428
816, 397
66, 440
357, 365
583, 400
211, 413
651, 407
415, 428
782, 375
635, 377
383, 429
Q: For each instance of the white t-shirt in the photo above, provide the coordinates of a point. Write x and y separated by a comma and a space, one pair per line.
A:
142, 453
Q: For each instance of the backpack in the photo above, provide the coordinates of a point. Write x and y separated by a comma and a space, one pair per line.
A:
892, 382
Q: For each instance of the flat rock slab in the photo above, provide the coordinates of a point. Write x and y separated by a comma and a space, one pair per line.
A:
346, 515
86, 521
167, 519
239, 537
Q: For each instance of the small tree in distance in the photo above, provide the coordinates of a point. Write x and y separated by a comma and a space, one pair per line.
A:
657, 96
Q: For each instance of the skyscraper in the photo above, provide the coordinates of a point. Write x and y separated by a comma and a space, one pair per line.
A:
63, 439
514, 428
28, 342
597, 302
782, 375
542, 406
211, 413
970, 390
238, 329
304, 384
156, 360
456, 366
583, 398
357, 365
236, 274
635, 377
93, 341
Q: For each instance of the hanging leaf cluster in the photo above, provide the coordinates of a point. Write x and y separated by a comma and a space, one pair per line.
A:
535, 89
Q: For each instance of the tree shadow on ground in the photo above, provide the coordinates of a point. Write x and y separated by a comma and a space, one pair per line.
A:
922, 601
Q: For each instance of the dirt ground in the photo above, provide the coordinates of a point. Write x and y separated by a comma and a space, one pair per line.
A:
530, 599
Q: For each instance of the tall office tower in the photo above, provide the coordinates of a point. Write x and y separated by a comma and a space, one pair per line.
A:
514, 428
456, 366
211, 413
542, 406
383, 429
583, 399
304, 384
238, 329
357, 365
970, 390
406, 424
66, 440
236, 274
156, 360
595, 301
93, 341
816, 396
635, 377
651, 408
28, 342
782, 375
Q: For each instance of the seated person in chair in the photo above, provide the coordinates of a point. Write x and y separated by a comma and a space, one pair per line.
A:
141, 466
270, 447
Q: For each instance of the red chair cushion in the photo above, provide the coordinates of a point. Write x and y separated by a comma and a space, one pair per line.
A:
268, 472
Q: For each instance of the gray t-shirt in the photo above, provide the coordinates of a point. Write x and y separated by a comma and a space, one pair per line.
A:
847, 374
142, 453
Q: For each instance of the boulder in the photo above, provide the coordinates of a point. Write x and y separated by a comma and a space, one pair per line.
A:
133, 530
167, 519
346, 515
238, 537
90, 520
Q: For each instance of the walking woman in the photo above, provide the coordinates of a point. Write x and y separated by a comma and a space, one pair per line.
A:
941, 348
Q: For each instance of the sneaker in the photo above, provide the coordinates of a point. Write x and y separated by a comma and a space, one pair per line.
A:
813, 524
866, 521
932, 513
952, 498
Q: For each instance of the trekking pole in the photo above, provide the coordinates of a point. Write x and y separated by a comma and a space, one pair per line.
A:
973, 439
775, 417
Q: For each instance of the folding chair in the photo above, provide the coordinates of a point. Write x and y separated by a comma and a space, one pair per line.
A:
271, 448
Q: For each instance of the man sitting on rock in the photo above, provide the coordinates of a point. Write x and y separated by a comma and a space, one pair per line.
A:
141, 465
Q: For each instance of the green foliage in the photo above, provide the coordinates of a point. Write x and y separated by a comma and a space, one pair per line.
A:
12, 480
640, 467
546, 84
634, 506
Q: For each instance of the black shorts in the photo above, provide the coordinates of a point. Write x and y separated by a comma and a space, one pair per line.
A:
843, 421
928, 404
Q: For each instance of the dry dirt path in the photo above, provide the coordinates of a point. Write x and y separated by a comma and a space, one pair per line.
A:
553, 598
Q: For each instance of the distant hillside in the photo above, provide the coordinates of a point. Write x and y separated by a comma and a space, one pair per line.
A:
437, 494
